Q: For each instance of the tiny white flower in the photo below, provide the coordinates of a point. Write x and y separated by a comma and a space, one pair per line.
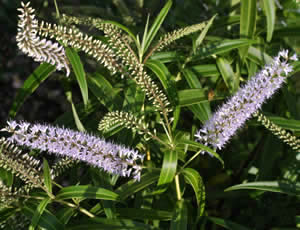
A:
294, 57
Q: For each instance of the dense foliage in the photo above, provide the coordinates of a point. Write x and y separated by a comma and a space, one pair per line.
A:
185, 120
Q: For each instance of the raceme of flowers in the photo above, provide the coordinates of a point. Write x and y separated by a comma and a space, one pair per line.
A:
112, 158
32, 45
232, 115
117, 58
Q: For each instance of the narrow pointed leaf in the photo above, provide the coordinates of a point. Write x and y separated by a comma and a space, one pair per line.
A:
65, 214
290, 124
229, 77
78, 123
85, 191
143, 214
202, 111
165, 57
220, 47
204, 32
247, 22
38, 213
227, 224
203, 147
47, 219
98, 223
270, 12
163, 74
104, 91
193, 178
271, 186
39, 75
258, 56
188, 97
79, 73
157, 23
208, 70
168, 170
133, 187
47, 176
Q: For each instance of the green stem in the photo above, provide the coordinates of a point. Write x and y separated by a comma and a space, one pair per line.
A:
56, 8
177, 187
82, 210
189, 161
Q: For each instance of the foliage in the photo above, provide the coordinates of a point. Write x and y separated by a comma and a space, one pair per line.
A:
154, 89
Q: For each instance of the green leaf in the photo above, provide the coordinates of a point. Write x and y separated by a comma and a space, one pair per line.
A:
98, 223
38, 213
143, 214
78, 123
65, 214
188, 97
134, 98
79, 73
202, 111
289, 31
271, 186
202, 35
47, 219
258, 56
156, 25
191, 79
247, 22
163, 74
168, 170
133, 187
193, 178
224, 21
220, 47
165, 57
229, 77
191, 96
227, 224
180, 218
203, 147
86, 191
270, 12
104, 91
284, 123
39, 75
83, 112
47, 176
208, 70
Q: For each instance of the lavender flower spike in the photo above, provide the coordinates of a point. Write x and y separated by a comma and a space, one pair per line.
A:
112, 158
240, 107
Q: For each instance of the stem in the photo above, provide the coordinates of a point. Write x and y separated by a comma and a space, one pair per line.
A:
177, 187
83, 210
56, 8
192, 158
168, 126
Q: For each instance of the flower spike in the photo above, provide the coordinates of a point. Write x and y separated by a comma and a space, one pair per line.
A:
232, 115
31, 44
112, 158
